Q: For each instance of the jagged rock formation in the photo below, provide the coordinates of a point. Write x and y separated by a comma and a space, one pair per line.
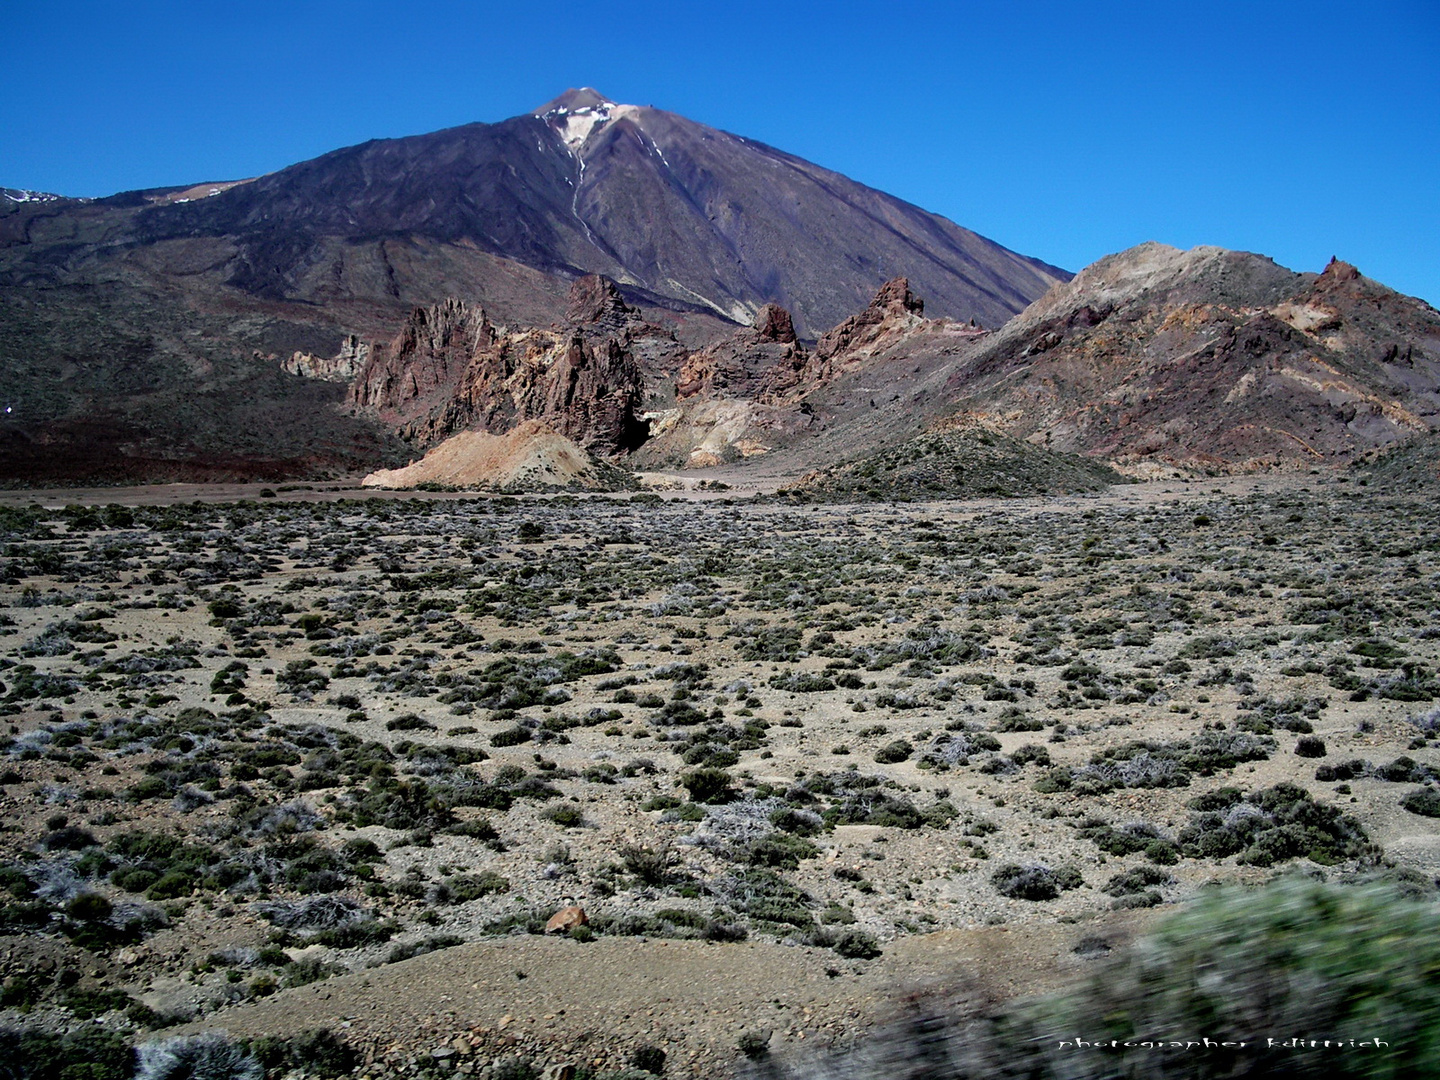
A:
342, 367
752, 392
768, 364
451, 369
596, 305
891, 319
744, 364
894, 308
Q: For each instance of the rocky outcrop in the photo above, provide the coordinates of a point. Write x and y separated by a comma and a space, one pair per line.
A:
595, 302
744, 364
773, 323
416, 373
566, 919
894, 308
894, 312
451, 369
530, 457
342, 367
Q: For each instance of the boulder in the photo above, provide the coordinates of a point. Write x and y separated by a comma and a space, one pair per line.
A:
567, 919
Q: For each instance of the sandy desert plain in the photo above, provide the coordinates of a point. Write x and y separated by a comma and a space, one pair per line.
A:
321, 759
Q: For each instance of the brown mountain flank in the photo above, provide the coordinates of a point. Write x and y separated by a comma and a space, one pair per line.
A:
1151, 359
1210, 358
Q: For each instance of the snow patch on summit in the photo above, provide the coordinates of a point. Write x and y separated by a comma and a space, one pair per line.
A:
576, 124
575, 127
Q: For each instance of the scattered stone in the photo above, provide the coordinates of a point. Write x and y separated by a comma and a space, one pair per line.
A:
567, 919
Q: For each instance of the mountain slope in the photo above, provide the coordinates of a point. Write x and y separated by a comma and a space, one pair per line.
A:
1210, 357
1152, 359
700, 228
678, 211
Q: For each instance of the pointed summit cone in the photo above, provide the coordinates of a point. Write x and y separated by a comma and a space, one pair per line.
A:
586, 97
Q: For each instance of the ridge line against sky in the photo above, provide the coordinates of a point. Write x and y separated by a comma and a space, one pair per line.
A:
1064, 131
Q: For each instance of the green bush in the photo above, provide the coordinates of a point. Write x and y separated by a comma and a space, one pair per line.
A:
1036, 882
781, 850
420, 948
564, 815
318, 1052
409, 722
171, 887
894, 752
90, 1053
708, 785
856, 945
511, 736
1296, 959
463, 888
89, 906
86, 1004
1423, 801
1280, 823
1293, 958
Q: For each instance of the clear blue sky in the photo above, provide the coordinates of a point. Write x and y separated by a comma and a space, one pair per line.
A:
1064, 130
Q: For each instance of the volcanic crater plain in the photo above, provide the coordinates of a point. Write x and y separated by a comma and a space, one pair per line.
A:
284, 760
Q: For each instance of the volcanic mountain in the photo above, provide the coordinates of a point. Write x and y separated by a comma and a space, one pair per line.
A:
677, 213
118, 315
740, 305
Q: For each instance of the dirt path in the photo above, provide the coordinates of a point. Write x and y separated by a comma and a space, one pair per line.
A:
558, 1000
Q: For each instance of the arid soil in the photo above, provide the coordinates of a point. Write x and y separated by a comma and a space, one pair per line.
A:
280, 760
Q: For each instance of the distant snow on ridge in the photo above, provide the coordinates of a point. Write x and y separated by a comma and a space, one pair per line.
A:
21, 195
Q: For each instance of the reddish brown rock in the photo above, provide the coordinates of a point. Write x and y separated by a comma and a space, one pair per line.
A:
567, 919
773, 323
420, 367
595, 299
746, 363
450, 369
894, 308
1336, 272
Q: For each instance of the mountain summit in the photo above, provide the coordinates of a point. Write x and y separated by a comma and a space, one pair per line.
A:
679, 214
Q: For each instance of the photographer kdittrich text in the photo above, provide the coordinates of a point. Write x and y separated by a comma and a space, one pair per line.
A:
1293, 1043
